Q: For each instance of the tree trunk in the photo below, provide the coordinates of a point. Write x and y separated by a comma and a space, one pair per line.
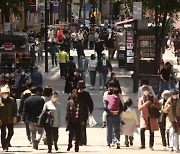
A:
6, 13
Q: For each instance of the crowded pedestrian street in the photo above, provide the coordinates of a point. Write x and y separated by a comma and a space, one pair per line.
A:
96, 142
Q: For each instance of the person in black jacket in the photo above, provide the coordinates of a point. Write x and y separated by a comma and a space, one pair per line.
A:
74, 120
86, 101
33, 107
76, 78
8, 117
99, 47
115, 81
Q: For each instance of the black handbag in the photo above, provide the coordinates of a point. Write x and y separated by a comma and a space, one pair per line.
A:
44, 119
153, 112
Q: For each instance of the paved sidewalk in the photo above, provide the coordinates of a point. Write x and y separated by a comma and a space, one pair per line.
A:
96, 135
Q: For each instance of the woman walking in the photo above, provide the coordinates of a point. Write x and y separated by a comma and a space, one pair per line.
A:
147, 121
86, 102
74, 120
53, 109
92, 70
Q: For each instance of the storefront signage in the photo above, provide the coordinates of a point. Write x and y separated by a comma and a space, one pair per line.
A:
8, 46
137, 10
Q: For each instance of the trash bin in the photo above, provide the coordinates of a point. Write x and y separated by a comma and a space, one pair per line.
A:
122, 58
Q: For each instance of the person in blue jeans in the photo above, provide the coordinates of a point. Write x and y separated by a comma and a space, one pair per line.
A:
114, 107
103, 65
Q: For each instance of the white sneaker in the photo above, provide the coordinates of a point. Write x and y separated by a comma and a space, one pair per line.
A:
101, 87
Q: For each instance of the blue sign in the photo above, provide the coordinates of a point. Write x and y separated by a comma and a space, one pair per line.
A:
86, 7
56, 9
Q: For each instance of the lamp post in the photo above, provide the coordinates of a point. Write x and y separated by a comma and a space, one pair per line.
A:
46, 36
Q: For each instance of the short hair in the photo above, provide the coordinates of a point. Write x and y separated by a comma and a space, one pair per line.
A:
29, 84
167, 63
34, 90
116, 91
81, 84
54, 93
77, 70
47, 91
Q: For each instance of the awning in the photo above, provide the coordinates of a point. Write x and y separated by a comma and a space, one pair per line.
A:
124, 22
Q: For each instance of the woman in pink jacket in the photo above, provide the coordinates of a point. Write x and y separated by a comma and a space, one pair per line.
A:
147, 122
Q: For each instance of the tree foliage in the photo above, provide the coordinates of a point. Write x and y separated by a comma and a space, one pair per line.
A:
11, 7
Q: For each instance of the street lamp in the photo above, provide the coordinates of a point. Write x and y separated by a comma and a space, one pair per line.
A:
46, 36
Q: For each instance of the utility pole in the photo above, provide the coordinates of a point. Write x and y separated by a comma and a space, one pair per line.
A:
46, 37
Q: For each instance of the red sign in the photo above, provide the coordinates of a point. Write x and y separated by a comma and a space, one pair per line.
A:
8, 46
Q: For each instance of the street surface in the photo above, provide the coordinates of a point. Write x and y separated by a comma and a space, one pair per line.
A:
97, 135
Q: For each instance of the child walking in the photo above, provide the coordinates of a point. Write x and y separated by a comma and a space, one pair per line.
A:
129, 117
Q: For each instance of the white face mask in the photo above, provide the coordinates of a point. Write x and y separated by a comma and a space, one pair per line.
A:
146, 93
22, 73
75, 73
4, 96
54, 99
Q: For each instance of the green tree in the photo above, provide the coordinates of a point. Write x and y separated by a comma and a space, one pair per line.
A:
11, 7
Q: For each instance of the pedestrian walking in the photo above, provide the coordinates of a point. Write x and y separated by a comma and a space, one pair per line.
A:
8, 117
24, 96
173, 79
92, 70
83, 66
99, 47
165, 78
103, 65
74, 120
37, 77
172, 108
113, 107
53, 51
92, 40
111, 45
46, 95
33, 107
115, 80
71, 66
162, 119
63, 58
130, 120
148, 106
87, 104
53, 108
76, 78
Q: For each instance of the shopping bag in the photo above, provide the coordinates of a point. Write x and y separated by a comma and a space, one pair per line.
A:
92, 121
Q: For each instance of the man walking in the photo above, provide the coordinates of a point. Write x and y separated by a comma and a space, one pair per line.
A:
33, 107
8, 113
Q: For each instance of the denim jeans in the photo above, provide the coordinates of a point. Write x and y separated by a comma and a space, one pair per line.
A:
93, 77
102, 78
113, 127
163, 86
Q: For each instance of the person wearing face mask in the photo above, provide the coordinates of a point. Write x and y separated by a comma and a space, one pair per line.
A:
8, 117
147, 122
53, 109
172, 108
103, 65
76, 78
162, 119
20, 81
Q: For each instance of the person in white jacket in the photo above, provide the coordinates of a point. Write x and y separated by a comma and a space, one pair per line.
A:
130, 122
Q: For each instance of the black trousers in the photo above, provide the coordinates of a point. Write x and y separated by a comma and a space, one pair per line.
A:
162, 126
83, 140
74, 131
151, 140
6, 137
63, 69
52, 136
